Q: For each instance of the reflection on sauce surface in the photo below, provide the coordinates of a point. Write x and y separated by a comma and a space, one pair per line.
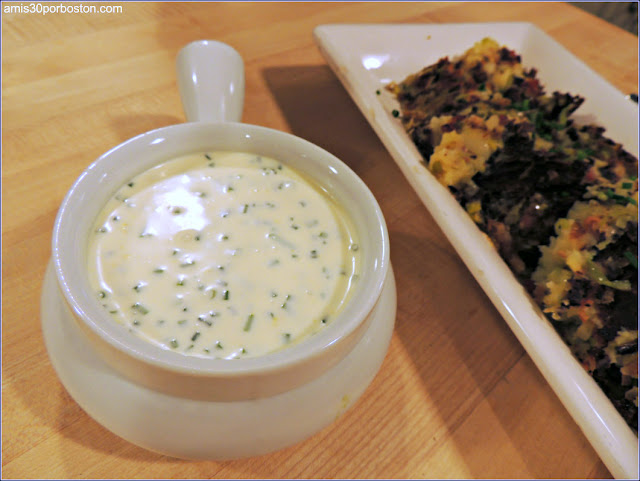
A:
222, 255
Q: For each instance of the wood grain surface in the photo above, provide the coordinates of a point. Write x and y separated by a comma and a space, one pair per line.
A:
456, 397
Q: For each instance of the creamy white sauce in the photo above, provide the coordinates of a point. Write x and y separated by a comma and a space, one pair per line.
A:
222, 255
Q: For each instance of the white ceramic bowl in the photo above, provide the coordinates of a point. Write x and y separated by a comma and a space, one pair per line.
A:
216, 408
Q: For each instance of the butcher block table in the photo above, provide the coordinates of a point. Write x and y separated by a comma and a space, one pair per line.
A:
456, 397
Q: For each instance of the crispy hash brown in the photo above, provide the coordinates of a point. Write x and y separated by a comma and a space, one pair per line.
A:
558, 200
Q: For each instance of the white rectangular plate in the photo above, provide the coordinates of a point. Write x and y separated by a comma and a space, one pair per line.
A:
366, 58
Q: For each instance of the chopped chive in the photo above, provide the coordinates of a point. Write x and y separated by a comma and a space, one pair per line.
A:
205, 320
182, 321
207, 156
195, 336
226, 295
245, 208
248, 324
284, 304
130, 184
633, 260
287, 337
159, 270
102, 294
174, 343
138, 287
354, 247
140, 308
219, 345
627, 185
314, 254
213, 293
395, 113
620, 199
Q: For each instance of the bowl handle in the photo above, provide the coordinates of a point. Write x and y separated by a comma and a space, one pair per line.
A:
211, 82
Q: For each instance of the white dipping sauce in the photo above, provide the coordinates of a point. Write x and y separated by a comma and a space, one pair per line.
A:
222, 255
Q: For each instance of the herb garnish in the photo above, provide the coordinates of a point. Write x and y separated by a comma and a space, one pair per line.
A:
140, 308
633, 260
620, 199
248, 324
